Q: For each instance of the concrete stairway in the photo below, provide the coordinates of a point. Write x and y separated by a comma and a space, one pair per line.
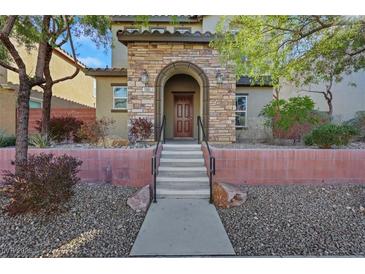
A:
182, 172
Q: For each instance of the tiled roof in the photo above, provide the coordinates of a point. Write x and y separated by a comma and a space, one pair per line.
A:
246, 81
126, 36
158, 18
106, 71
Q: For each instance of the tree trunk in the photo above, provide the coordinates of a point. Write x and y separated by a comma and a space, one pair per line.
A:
46, 111
47, 94
22, 119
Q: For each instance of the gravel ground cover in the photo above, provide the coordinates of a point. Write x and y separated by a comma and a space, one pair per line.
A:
98, 224
298, 221
353, 145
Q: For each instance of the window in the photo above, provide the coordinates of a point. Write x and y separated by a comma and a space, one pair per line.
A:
159, 29
182, 29
120, 97
35, 103
241, 110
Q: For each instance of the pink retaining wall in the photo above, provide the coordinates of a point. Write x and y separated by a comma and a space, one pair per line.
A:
130, 167
288, 166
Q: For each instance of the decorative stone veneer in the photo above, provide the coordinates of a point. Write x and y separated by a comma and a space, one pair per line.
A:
154, 57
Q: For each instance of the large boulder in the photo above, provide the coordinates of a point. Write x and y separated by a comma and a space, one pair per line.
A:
140, 200
227, 195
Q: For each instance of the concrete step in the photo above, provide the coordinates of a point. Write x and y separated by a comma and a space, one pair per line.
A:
181, 156
183, 185
177, 173
179, 169
182, 152
181, 147
161, 179
182, 194
185, 160
181, 164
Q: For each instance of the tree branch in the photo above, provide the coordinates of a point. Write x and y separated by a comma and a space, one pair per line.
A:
9, 67
42, 48
73, 55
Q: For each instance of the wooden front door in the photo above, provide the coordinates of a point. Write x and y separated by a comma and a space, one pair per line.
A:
183, 109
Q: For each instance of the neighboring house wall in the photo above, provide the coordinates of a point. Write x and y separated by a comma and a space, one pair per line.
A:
347, 100
7, 110
104, 105
257, 98
78, 89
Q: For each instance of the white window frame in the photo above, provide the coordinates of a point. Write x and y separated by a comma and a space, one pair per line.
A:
238, 95
36, 100
114, 97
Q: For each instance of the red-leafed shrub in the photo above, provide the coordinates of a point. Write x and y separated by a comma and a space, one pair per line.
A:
63, 128
44, 183
141, 129
95, 132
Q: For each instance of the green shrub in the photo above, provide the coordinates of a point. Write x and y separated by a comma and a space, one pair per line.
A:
290, 119
308, 139
359, 123
62, 128
44, 183
6, 140
328, 135
38, 141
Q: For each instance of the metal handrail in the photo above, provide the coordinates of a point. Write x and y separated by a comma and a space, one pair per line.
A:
211, 158
154, 157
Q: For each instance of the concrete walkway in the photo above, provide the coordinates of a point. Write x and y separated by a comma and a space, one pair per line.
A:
182, 227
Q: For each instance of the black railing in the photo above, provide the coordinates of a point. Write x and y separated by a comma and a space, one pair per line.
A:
211, 158
156, 155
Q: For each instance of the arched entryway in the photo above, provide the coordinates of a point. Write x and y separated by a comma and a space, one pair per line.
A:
177, 82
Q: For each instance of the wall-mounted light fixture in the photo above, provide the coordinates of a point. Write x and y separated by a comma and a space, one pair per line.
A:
144, 77
219, 76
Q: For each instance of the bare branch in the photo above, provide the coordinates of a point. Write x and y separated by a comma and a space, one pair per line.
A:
9, 67
9, 24
73, 55
42, 48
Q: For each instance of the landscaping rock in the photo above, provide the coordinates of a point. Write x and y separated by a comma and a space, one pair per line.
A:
228, 195
140, 200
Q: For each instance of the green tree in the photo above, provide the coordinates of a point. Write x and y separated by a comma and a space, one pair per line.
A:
45, 33
300, 49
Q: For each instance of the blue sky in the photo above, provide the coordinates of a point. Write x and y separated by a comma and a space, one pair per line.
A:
89, 54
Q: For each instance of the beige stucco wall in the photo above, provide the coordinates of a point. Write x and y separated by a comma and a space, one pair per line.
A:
7, 110
347, 100
104, 105
79, 89
257, 98
57, 102
180, 83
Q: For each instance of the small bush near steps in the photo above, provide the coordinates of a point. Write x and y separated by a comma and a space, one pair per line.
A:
44, 183
329, 135
140, 130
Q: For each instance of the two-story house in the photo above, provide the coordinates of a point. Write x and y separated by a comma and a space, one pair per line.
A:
168, 68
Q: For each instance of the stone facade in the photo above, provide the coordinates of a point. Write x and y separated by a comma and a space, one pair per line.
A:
154, 57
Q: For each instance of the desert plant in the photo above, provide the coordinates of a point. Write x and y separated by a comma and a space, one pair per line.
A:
358, 122
6, 140
38, 141
328, 135
140, 129
95, 132
62, 128
308, 139
292, 118
43, 183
